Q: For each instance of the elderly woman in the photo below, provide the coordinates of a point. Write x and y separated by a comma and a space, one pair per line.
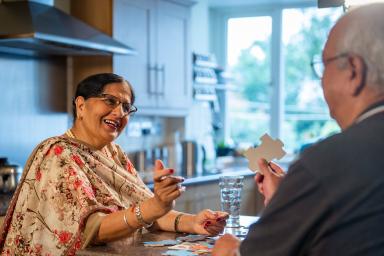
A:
80, 188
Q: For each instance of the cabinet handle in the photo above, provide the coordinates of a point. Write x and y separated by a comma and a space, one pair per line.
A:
162, 70
152, 79
158, 79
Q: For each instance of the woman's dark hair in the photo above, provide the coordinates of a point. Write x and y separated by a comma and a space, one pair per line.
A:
94, 86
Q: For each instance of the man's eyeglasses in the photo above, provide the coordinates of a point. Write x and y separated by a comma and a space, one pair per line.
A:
318, 65
113, 102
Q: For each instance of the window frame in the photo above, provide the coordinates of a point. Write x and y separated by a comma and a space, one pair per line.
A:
219, 17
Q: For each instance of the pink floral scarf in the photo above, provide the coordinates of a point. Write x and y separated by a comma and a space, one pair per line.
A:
63, 183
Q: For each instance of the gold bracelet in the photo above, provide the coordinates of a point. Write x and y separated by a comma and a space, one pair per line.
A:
140, 219
176, 223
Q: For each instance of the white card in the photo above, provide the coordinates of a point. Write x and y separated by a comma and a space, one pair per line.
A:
269, 149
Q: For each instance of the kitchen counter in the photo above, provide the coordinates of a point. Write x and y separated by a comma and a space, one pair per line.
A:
213, 177
135, 247
241, 168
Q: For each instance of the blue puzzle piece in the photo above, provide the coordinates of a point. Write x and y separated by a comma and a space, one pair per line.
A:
161, 243
178, 253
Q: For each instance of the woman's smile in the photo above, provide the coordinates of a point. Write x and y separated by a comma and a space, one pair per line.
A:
112, 124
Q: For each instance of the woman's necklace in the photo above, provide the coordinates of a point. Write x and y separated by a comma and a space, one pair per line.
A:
70, 134
103, 150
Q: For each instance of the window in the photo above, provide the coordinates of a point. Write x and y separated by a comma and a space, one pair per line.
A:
306, 116
249, 61
302, 114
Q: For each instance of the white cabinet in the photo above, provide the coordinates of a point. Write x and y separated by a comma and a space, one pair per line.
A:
161, 71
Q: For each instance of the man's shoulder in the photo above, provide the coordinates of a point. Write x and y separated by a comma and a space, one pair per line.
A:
362, 138
357, 133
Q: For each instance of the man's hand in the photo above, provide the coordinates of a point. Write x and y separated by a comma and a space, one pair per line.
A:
166, 188
227, 245
269, 182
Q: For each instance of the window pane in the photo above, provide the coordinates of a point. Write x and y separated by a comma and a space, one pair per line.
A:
306, 114
249, 60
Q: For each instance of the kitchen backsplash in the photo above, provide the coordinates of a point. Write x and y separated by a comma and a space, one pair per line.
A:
32, 104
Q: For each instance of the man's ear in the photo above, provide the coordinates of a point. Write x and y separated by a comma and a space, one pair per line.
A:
358, 74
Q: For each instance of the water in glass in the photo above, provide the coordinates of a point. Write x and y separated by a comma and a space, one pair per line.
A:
230, 190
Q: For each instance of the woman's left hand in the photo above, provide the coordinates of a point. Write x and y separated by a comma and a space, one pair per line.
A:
208, 222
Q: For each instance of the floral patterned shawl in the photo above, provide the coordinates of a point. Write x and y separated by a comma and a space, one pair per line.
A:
63, 183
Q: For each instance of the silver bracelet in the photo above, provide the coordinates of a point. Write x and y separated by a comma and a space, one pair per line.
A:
140, 218
125, 220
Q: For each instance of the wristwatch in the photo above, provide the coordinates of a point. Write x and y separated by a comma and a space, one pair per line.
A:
140, 219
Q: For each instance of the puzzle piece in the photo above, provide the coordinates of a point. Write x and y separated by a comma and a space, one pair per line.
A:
269, 149
183, 246
179, 253
191, 238
192, 246
160, 243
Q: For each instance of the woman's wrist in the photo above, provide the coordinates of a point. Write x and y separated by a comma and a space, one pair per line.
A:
151, 211
117, 225
158, 207
140, 219
185, 223
177, 222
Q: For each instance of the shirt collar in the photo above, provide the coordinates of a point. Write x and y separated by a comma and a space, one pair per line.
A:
371, 110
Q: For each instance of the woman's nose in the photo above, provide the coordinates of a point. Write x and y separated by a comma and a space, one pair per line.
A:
119, 110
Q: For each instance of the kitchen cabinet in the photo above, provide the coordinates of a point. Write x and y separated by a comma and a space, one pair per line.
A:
161, 71
207, 196
97, 14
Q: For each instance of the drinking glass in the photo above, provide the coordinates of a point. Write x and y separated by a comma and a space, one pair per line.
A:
230, 195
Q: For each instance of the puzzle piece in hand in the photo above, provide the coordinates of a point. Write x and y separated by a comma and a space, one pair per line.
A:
161, 243
269, 149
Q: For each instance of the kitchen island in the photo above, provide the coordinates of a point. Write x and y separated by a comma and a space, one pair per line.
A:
135, 247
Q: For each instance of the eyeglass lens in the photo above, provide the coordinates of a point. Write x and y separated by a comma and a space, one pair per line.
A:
114, 102
317, 66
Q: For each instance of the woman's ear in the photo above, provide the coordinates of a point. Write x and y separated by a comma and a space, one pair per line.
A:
358, 74
80, 103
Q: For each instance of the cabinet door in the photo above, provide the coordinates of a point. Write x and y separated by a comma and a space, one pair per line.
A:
134, 25
173, 56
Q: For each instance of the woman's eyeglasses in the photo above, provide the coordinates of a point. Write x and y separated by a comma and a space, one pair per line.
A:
113, 102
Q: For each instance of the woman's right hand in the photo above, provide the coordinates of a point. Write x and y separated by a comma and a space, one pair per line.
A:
166, 187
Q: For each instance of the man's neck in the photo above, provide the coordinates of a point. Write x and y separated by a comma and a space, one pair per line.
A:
361, 107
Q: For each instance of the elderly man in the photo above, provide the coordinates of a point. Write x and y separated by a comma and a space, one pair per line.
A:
331, 202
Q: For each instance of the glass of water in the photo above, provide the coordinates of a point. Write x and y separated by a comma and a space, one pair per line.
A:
230, 195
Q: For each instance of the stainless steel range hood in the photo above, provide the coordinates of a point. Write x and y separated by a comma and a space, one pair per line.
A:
35, 29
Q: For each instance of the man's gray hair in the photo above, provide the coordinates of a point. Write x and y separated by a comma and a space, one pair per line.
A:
364, 36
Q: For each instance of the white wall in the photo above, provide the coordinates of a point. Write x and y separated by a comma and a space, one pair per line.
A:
199, 27
198, 123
